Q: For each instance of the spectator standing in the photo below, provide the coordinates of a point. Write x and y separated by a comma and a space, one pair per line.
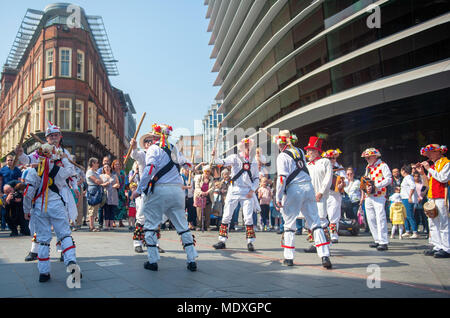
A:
93, 180
203, 198
106, 161
265, 197
421, 191
352, 189
13, 201
188, 187
409, 198
112, 196
2, 208
121, 210
81, 178
397, 215
131, 207
10, 172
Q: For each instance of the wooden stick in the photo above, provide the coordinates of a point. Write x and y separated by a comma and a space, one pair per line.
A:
24, 129
192, 161
135, 135
266, 132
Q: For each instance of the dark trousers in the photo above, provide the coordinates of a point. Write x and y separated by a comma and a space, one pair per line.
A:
265, 211
100, 216
191, 211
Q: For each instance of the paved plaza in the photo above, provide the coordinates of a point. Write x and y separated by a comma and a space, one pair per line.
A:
111, 268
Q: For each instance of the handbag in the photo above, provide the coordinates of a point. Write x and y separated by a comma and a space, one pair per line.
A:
95, 195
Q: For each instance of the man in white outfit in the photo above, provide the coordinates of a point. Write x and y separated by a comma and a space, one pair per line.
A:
54, 137
334, 200
139, 155
161, 185
294, 193
380, 174
244, 182
44, 200
321, 177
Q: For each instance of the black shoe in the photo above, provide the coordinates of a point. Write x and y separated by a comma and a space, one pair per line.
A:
44, 277
13, 234
288, 262
429, 252
279, 232
382, 247
441, 254
138, 249
161, 250
374, 245
192, 266
298, 232
326, 262
61, 258
334, 241
31, 257
311, 249
250, 247
219, 245
151, 266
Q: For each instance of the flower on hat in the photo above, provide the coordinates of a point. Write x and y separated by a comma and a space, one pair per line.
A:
431, 147
331, 153
371, 152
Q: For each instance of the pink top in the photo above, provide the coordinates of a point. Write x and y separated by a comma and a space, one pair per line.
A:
419, 190
205, 187
265, 195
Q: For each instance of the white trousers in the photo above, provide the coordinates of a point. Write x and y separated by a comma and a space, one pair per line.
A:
301, 196
439, 233
376, 217
231, 203
166, 199
140, 218
322, 210
55, 216
334, 203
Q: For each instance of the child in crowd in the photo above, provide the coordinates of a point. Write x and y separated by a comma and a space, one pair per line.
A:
264, 196
217, 205
131, 207
397, 215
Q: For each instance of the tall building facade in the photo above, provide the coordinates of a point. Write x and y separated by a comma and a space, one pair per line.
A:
191, 147
369, 73
58, 70
210, 125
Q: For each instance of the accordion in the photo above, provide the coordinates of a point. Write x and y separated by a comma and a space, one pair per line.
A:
366, 181
338, 182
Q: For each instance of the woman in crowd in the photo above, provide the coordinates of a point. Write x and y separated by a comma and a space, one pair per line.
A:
204, 187
112, 196
354, 194
121, 211
409, 198
265, 196
421, 190
93, 180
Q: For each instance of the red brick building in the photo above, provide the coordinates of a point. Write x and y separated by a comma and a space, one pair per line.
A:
60, 73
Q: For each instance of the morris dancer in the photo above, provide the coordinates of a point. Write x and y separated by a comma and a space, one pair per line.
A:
438, 180
294, 193
244, 182
321, 177
334, 200
161, 183
43, 197
378, 172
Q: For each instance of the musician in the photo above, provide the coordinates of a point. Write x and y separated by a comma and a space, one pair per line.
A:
161, 183
334, 200
244, 182
54, 137
145, 142
437, 179
321, 175
378, 172
294, 193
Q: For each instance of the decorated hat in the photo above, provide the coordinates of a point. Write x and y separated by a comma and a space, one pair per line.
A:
51, 129
149, 135
433, 147
331, 153
246, 141
370, 152
284, 137
163, 131
315, 143
206, 168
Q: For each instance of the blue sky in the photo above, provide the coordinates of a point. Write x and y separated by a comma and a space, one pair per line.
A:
162, 49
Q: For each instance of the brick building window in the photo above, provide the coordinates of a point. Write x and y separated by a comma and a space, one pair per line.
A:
50, 111
36, 116
80, 65
64, 114
79, 111
49, 60
91, 120
65, 62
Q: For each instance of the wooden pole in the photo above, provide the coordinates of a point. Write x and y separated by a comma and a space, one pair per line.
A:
192, 161
135, 135
24, 129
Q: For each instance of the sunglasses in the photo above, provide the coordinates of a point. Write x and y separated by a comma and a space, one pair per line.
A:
147, 140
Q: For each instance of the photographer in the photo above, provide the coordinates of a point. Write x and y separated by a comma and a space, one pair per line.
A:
12, 199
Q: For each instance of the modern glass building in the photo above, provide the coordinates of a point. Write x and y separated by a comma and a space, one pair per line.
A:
368, 73
210, 125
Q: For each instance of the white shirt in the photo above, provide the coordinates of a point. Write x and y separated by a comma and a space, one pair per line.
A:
407, 185
285, 166
156, 158
353, 190
442, 176
321, 175
139, 156
243, 185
